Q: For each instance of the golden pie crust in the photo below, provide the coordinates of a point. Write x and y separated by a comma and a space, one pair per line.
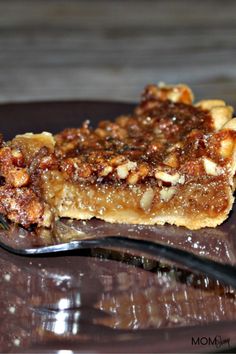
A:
170, 161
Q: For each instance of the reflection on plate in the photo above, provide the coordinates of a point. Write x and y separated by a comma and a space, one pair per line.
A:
89, 302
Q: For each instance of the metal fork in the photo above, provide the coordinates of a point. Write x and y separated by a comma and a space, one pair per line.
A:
224, 273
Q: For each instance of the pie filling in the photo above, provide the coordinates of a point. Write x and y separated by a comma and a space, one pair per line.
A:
168, 162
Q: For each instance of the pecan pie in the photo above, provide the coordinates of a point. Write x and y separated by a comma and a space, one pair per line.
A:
170, 161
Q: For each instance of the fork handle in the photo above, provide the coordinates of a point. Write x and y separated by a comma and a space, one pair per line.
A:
224, 273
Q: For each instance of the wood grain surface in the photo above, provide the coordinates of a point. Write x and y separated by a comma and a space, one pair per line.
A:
110, 49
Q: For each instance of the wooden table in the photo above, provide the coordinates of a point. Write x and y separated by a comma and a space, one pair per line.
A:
111, 49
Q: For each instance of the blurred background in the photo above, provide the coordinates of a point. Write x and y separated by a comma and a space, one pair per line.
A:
110, 49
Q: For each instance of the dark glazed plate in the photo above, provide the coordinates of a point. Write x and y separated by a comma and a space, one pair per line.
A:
111, 301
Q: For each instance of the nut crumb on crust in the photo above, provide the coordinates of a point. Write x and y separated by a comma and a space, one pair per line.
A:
167, 193
147, 199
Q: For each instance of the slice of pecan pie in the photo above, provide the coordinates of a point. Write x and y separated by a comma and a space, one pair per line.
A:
171, 161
